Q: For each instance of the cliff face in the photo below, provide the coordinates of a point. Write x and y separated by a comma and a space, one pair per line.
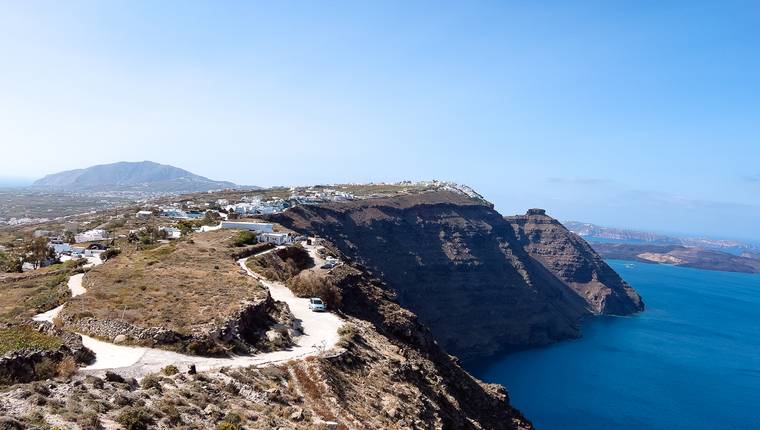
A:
573, 261
455, 262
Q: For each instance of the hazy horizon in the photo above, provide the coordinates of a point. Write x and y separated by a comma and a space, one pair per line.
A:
641, 116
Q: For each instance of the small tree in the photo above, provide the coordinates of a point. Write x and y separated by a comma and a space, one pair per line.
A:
37, 252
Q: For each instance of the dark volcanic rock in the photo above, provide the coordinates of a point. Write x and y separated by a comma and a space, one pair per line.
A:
572, 260
455, 262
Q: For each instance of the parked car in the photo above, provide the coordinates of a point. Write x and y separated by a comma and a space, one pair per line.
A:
317, 305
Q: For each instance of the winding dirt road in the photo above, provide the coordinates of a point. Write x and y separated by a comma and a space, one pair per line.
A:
320, 333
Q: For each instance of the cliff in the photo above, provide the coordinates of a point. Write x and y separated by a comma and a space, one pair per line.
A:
462, 268
572, 260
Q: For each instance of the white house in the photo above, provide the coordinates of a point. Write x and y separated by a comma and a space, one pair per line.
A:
276, 238
143, 214
171, 232
91, 236
60, 248
259, 227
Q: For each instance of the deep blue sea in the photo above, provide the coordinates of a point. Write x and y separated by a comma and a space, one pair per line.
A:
690, 361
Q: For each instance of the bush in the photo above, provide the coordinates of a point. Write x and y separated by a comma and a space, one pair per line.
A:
89, 421
151, 381
226, 425
45, 369
110, 253
170, 370
309, 284
135, 419
67, 367
244, 238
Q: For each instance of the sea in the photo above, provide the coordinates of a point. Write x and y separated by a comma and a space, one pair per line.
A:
690, 361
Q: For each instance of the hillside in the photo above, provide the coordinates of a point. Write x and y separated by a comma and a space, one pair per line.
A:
572, 260
466, 272
130, 176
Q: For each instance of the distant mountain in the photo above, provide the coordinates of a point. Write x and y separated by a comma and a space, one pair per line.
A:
145, 176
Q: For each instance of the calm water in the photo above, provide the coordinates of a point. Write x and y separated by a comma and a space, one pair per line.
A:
691, 361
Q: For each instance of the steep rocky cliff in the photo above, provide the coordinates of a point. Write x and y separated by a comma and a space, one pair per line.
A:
458, 264
572, 260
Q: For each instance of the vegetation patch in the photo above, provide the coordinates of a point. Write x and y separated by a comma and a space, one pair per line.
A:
282, 264
21, 337
23, 295
313, 284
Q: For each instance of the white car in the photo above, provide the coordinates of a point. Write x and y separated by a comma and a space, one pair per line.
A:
317, 305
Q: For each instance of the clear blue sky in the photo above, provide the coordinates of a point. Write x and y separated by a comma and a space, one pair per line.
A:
635, 114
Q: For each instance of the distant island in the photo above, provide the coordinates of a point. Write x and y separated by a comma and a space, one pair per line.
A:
646, 247
144, 176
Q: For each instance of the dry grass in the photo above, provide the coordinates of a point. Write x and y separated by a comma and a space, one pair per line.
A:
23, 295
67, 367
180, 286
314, 284
314, 391
281, 264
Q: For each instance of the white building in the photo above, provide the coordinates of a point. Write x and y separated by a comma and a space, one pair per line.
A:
91, 236
259, 227
276, 238
60, 248
171, 232
143, 214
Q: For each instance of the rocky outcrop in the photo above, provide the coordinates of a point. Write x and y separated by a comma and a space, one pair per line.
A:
574, 262
26, 365
460, 266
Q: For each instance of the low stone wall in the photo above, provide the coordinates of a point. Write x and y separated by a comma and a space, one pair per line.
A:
244, 332
120, 331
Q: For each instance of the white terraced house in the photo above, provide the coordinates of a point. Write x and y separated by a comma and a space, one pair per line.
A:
259, 227
276, 238
91, 236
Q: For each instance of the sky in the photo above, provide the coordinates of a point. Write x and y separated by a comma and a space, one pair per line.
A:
637, 114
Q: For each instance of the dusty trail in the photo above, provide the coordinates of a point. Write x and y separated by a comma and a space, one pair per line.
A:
320, 333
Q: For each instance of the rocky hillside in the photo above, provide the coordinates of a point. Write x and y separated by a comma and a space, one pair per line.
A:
127, 176
387, 371
464, 269
573, 261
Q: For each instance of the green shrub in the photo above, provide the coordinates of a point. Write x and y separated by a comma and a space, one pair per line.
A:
226, 425
45, 369
170, 370
89, 421
135, 419
244, 238
151, 381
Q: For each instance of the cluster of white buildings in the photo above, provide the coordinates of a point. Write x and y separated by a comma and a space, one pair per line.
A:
265, 231
314, 195
22, 221
255, 206
91, 236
